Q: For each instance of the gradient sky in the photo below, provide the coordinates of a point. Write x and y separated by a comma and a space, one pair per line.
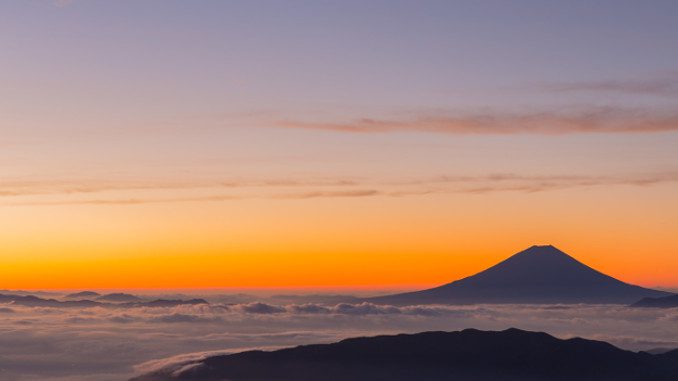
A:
161, 144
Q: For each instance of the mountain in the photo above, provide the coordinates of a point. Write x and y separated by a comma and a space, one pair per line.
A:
540, 274
42, 294
83, 295
164, 303
468, 355
34, 301
661, 302
119, 298
330, 299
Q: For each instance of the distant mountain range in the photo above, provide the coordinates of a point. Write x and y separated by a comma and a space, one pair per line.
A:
468, 355
83, 295
34, 301
540, 274
537, 275
119, 297
662, 302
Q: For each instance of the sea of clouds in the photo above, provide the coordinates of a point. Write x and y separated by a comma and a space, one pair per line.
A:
107, 344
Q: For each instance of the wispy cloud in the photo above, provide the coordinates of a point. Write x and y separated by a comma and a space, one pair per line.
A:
299, 189
549, 122
212, 198
666, 86
330, 194
9, 188
503, 182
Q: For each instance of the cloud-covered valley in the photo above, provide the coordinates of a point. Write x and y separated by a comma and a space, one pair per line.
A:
108, 343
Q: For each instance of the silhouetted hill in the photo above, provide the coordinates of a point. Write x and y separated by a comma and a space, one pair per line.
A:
315, 298
165, 303
659, 351
662, 302
119, 298
540, 274
469, 355
83, 295
34, 301
41, 294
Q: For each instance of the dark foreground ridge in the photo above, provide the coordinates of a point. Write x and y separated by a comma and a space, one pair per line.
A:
540, 274
663, 302
468, 355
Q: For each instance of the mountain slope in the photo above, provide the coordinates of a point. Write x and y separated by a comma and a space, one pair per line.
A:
670, 301
82, 295
469, 355
119, 298
540, 274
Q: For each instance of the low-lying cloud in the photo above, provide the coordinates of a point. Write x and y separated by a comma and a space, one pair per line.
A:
44, 343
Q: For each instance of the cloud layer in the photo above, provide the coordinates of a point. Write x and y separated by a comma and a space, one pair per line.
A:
44, 343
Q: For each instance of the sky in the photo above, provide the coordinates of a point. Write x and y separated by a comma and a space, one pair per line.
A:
333, 144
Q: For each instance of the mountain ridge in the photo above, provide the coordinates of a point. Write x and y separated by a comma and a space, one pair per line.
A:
467, 355
539, 274
34, 301
670, 301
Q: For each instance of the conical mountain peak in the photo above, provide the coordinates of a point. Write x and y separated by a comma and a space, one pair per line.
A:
538, 274
543, 250
543, 261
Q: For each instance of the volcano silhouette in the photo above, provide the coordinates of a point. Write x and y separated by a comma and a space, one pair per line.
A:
540, 274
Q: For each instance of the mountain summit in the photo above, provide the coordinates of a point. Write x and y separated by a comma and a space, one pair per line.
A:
539, 274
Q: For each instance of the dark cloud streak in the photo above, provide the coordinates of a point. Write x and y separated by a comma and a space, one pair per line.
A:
446, 184
549, 122
666, 86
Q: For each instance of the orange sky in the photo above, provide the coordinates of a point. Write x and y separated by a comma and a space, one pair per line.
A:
333, 144
371, 241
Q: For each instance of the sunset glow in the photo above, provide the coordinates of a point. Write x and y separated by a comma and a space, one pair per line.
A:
295, 190
245, 146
